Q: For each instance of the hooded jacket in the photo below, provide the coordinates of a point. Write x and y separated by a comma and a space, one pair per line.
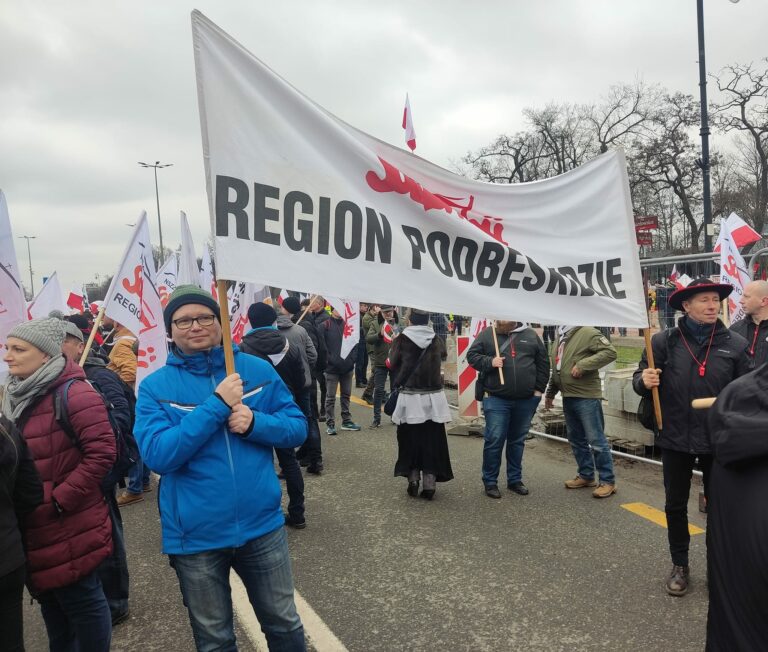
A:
21, 490
683, 428
311, 324
332, 332
300, 337
526, 365
67, 539
273, 346
404, 358
122, 359
218, 489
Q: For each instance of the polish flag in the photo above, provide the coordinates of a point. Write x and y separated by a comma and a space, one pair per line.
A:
282, 296
76, 298
740, 233
674, 274
410, 132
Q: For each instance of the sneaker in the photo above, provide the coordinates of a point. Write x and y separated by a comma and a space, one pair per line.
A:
330, 430
128, 498
295, 523
367, 398
492, 491
375, 424
349, 425
579, 483
677, 582
604, 490
361, 385
519, 488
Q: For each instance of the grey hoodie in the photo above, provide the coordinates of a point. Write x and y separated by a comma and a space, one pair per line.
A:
300, 337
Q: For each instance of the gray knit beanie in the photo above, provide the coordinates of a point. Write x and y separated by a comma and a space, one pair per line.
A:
72, 330
47, 334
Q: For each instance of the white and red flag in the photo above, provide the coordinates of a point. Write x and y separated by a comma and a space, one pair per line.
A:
739, 232
350, 313
410, 132
167, 278
134, 301
49, 298
12, 301
188, 272
282, 296
477, 326
76, 299
733, 270
241, 296
674, 274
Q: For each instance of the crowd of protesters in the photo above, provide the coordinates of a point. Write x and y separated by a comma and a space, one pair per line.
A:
72, 432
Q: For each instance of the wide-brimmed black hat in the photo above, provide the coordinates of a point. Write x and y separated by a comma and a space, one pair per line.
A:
696, 286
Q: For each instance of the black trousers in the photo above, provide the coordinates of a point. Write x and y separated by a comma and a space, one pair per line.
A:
11, 616
678, 470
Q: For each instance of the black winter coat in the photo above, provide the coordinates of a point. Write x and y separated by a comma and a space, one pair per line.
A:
403, 357
114, 390
526, 363
332, 332
21, 490
311, 323
757, 339
683, 428
271, 345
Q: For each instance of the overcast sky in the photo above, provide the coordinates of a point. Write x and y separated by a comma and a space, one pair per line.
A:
88, 88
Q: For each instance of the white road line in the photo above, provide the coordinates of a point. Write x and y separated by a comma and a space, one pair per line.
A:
320, 637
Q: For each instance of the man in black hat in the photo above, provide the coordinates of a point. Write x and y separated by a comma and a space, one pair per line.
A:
696, 359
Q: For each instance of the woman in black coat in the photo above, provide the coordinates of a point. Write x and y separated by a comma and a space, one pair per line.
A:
422, 409
20, 492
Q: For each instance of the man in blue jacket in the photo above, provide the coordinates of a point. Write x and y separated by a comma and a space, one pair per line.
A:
210, 437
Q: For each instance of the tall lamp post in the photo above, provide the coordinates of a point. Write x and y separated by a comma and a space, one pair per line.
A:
703, 162
29, 254
156, 165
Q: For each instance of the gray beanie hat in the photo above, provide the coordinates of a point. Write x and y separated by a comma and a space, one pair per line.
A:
47, 334
72, 330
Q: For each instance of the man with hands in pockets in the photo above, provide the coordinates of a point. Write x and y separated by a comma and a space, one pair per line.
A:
210, 437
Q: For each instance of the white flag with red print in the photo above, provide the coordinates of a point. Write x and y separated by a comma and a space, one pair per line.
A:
189, 272
350, 313
240, 297
49, 298
410, 132
733, 270
12, 302
207, 280
167, 278
739, 232
477, 326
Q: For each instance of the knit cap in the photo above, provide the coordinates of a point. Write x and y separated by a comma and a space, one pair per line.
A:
184, 295
292, 305
73, 330
261, 314
47, 334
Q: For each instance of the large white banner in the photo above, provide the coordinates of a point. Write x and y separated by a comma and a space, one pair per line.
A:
12, 301
300, 199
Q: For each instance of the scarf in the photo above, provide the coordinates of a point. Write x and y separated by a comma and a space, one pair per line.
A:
19, 394
700, 332
564, 333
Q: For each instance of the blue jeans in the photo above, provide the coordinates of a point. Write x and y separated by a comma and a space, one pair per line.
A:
138, 477
506, 420
77, 617
586, 434
264, 566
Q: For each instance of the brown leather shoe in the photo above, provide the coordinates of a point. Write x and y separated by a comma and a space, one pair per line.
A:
677, 582
129, 498
579, 483
604, 490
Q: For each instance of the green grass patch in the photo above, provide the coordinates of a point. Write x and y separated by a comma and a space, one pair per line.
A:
628, 356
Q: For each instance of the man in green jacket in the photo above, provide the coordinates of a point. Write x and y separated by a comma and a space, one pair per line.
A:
579, 352
368, 318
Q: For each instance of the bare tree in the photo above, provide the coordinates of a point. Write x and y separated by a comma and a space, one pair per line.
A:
508, 159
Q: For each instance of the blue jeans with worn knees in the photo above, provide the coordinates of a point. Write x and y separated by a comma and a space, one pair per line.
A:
379, 381
138, 477
294, 482
506, 420
264, 566
312, 447
586, 434
77, 617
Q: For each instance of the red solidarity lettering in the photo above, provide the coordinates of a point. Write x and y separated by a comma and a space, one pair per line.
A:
137, 288
731, 268
395, 181
349, 327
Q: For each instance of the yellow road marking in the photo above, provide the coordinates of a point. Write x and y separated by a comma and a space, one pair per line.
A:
656, 516
359, 401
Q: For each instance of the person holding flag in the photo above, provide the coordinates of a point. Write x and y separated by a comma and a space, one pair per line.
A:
383, 329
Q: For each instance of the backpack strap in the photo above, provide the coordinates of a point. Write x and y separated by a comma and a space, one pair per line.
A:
61, 412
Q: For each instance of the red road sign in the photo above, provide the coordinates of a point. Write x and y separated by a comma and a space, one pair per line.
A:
646, 222
644, 237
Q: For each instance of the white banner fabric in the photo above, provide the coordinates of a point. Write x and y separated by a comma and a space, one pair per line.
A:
298, 198
241, 296
167, 277
49, 298
733, 270
350, 313
13, 304
189, 272
207, 280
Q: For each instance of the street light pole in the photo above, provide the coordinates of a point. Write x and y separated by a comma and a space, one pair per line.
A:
156, 165
29, 254
703, 162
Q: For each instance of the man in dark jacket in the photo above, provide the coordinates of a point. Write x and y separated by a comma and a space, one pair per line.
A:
361, 363
311, 320
508, 407
338, 373
365, 322
697, 359
383, 329
268, 343
754, 326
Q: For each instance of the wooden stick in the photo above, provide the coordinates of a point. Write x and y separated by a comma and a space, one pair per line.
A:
496, 344
652, 365
703, 403
226, 329
94, 330
306, 310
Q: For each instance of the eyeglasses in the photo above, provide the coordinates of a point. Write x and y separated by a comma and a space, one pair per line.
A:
185, 323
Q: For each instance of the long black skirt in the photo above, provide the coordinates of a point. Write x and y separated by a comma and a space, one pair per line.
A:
423, 446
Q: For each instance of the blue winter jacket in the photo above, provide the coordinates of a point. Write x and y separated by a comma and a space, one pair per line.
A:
217, 489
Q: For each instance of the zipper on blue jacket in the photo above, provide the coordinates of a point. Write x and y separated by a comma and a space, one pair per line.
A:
229, 456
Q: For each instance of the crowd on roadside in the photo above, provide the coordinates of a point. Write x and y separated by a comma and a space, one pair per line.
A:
76, 446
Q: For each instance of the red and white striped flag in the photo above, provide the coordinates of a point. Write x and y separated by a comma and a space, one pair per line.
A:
282, 296
740, 233
410, 132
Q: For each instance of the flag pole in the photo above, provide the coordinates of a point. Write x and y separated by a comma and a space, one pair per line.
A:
306, 310
649, 357
226, 329
496, 344
94, 330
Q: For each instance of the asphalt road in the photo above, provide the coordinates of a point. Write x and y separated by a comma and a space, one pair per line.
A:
556, 570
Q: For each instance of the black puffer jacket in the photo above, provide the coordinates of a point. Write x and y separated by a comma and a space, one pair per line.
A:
271, 345
21, 490
332, 332
757, 339
683, 428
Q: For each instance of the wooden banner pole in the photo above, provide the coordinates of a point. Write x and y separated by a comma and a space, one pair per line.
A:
498, 355
94, 330
703, 403
306, 310
226, 329
652, 365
